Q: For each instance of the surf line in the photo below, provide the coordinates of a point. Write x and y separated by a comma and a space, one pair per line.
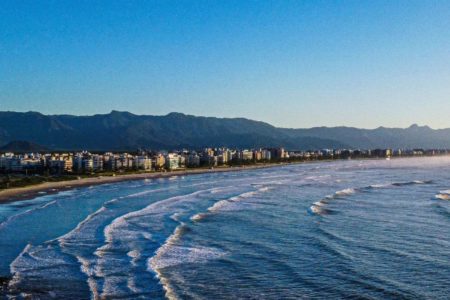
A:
197, 254
319, 207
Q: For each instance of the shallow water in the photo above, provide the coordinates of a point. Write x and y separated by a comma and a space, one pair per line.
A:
370, 229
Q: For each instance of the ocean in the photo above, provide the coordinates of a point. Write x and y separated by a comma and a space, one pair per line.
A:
370, 229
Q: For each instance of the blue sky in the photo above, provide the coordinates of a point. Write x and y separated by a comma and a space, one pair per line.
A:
289, 63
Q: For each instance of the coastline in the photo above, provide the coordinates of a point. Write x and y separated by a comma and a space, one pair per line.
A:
46, 188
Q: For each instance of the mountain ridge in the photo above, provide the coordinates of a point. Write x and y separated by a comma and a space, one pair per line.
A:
22, 146
127, 131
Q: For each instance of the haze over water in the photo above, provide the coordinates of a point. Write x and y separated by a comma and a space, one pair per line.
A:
370, 229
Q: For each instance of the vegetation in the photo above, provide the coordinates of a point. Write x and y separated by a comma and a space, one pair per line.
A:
14, 181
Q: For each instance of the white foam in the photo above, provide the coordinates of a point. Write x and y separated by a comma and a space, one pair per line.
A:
48, 204
131, 285
86, 268
245, 195
218, 205
319, 178
316, 209
318, 206
443, 196
126, 232
152, 263
346, 192
86, 232
319, 203
13, 267
380, 186
198, 217
447, 192
171, 254
154, 208
147, 236
230, 204
176, 216
134, 255
75, 233
26, 212
119, 229
143, 193
38, 262
177, 255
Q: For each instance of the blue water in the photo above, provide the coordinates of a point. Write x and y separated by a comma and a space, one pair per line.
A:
370, 229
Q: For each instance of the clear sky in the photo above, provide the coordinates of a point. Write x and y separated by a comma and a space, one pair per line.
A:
290, 63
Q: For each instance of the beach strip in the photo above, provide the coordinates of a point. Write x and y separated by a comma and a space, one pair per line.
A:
32, 191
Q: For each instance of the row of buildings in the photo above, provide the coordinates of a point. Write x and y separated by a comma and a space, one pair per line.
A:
86, 162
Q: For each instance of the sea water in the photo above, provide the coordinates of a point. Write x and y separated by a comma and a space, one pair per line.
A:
371, 229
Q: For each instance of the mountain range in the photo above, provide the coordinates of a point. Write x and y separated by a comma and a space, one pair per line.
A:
126, 131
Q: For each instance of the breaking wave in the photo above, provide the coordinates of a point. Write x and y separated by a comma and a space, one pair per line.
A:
318, 207
172, 253
26, 212
43, 267
137, 235
345, 192
443, 195
232, 203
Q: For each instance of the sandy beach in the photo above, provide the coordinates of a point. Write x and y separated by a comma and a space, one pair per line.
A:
32, 191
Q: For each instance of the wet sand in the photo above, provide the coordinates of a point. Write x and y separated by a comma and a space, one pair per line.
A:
32, 191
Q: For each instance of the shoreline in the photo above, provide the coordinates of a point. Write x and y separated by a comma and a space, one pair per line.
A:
48, 188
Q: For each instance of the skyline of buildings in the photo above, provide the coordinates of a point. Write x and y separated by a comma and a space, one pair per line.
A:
85, 162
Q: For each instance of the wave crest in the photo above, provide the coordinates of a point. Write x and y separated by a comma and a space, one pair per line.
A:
317, 208
443, 196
